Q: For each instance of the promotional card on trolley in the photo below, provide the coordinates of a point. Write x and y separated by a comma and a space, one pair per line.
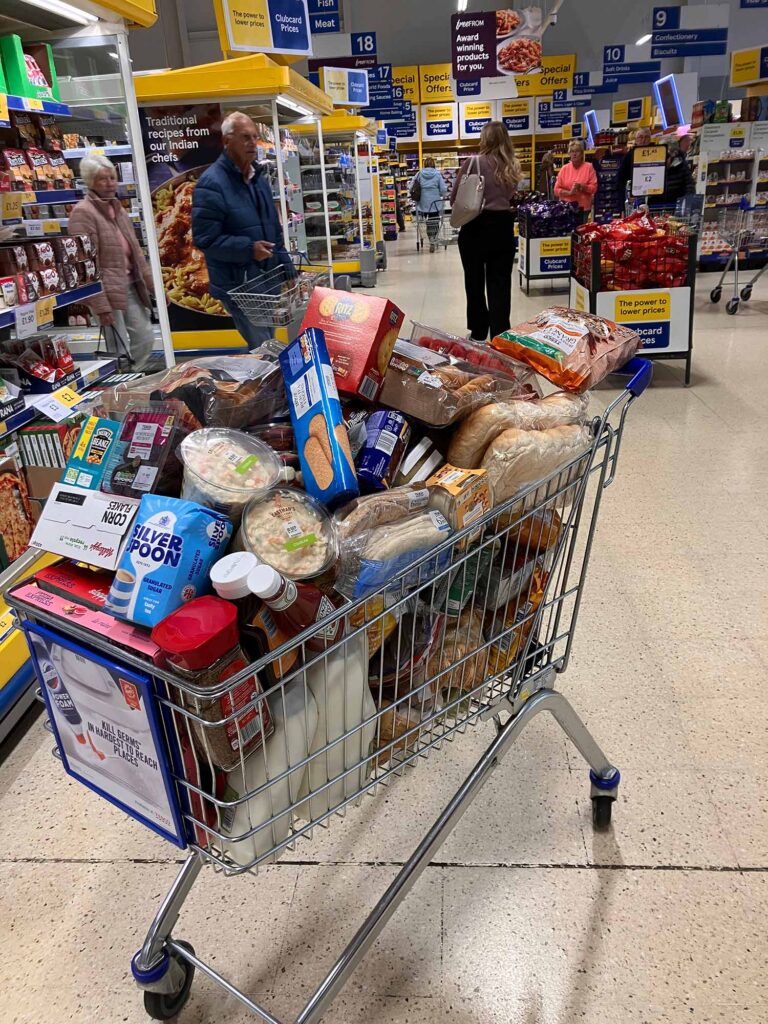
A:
104, 717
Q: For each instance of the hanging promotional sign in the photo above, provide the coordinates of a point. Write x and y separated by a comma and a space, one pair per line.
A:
649, 168
435, 83
107, 731
749, 67
489, 43
619, 66
407, 77
265, 26
695, 31
557, 72
624, 111
516, 115
315, 63
468, 87
439, 121
347, 87
473, 115
549, 120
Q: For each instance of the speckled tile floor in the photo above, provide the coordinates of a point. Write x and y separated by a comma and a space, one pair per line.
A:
526, 916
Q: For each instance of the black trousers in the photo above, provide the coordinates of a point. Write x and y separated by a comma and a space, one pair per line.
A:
487, 248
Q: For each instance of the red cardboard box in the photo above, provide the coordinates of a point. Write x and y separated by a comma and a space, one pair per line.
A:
89, 587
360, 332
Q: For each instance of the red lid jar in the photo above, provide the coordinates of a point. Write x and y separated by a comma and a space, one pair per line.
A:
199, 633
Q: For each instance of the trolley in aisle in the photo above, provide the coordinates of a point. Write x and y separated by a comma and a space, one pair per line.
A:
432, 228
279, 297
477, 628
743, 230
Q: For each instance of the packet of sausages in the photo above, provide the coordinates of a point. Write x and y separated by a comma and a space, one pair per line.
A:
318, 424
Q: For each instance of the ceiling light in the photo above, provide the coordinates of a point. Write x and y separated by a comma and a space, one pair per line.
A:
113, 54
65, 10
643, 40
295, 106
462, 6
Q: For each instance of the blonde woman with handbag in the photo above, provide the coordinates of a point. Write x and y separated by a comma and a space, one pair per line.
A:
484, 189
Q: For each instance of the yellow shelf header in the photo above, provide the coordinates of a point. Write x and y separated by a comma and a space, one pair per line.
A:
134, 12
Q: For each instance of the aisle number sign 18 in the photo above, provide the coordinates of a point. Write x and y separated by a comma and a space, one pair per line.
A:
363, 44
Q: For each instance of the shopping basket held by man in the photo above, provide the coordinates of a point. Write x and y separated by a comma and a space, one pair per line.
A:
235, 221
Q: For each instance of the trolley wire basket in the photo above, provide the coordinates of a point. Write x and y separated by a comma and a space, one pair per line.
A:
432, 228
743, 231
278, 297
478, 626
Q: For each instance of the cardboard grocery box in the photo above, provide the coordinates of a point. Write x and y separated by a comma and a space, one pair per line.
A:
89, 587
24, 76
360, 332
41, 480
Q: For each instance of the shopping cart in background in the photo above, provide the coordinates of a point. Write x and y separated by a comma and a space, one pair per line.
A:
279, 297
478, 628
431, 227
743, 230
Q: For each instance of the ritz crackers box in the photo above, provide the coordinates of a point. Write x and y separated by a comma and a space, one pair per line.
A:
360, 332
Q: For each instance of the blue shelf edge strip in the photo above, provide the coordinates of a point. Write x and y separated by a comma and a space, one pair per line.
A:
15, 687
8, 317
21, 104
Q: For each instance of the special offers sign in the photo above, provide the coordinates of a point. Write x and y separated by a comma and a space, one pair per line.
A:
266, 26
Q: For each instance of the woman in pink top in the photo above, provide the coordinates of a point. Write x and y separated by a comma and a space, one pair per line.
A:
123, 305
577, 181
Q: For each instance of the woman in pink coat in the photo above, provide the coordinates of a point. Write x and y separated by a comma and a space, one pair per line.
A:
577, 181
123, 307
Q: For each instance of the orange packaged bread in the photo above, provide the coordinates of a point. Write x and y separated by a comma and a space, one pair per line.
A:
572, 349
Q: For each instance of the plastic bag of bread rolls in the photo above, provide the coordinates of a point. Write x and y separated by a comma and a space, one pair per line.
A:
472, 436
517, 458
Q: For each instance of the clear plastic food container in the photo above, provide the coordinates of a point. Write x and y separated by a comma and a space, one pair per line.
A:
224, 469
289, 531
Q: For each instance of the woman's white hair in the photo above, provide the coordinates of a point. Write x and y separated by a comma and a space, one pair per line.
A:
577, 144
90, 167
231, 121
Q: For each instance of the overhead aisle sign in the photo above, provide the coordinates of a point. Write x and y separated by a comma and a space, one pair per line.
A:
620, 67
516, 115
407, 78
549, 120
592, 83
324, 16
696, 31
563, 98
474, 115
439, 121
266, 26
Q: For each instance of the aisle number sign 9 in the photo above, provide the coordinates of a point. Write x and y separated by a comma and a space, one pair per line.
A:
435, 83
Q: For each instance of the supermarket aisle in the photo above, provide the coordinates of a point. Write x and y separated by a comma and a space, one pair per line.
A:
527, 917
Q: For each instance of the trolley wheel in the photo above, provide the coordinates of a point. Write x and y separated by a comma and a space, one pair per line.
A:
746, 292
161, 1005
601, 812
714, 295
732, 306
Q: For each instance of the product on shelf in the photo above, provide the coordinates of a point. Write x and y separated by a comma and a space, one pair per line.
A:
546, 218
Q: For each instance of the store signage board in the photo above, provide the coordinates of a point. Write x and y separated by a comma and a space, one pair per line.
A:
322, 23
516, 115
266, 26
473, 116
439, 121
347, 87
624, 111
315, 63
549, 120
619, 66
565, 98
107, 729
750, 4
590, 83
691, 31
407, 77
649, 168
469, 87
323, 6
435, 85
749, 67
490, 43
660, 316
381, 136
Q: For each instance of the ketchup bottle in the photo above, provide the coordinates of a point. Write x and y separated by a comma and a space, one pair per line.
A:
296, 605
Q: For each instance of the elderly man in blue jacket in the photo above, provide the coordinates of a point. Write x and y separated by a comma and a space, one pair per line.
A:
235, 222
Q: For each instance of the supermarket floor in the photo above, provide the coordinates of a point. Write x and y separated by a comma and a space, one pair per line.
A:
526, 917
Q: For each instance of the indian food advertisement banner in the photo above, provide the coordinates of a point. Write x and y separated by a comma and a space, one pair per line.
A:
490, 43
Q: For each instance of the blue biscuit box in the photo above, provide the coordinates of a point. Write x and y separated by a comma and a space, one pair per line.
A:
318, 425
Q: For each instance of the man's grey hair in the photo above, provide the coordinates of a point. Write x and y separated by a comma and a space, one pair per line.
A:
229, 124
90, 167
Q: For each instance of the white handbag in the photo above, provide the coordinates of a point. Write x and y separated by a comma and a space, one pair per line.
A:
469, 200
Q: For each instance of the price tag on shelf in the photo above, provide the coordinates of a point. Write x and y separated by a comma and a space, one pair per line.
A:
11, 205
31, 104
26, 320
58, 405
96, 151
45, 308
4, 107
33, 228
51, 227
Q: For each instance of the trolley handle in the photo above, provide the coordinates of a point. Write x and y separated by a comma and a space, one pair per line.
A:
640, 372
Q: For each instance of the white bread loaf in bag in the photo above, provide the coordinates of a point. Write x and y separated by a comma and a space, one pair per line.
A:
517, 458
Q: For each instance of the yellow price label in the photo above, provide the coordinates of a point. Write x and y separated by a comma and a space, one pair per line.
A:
51, 227
67, 397
12, 205
44, 311
33, 104
96, 151
4, 107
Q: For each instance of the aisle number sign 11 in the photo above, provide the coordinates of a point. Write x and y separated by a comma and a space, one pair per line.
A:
264, 26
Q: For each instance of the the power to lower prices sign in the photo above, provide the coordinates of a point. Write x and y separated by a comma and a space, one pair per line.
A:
265, 26
545, 257
439, 121
347, 87
661, 317
516, 115
474, 115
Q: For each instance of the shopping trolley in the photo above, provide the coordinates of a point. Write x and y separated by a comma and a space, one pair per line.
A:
743, 230
431, 227
477, 628
279, 297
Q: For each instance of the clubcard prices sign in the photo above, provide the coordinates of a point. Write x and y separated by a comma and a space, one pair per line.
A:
474, 116
266, 26
545, 257
660, 316
439, 121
